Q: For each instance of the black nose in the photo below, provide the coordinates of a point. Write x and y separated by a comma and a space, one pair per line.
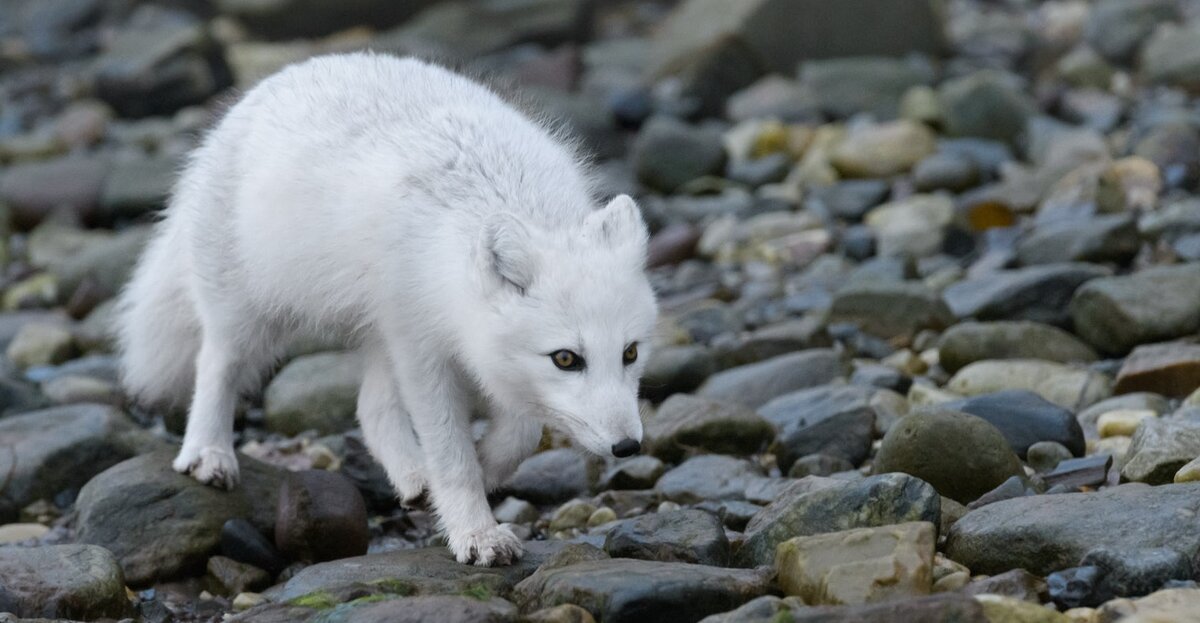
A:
626, 447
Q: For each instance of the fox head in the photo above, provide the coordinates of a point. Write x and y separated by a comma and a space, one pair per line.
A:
571, 317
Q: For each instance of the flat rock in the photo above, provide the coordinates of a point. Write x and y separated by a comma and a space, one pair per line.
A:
833, 420
78, 582
825, 505
668, 154
1045, 533
1024, 418
1068, 387
708, 477
1115, 314
1171, 369
961, 455
1037, 293
161, 524
755, 384
1110, 238
945, 608
689, 424
891, 309
688, 535
883, 150
985, 104
968, 342
913, 227
58, 449
551, 477
863, 565
622, 589
1159, 448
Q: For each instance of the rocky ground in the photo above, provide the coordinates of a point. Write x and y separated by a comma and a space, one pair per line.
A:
930, 279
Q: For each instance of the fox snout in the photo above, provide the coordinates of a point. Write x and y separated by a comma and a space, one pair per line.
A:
626, 447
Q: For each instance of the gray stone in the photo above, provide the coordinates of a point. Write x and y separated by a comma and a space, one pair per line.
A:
1038, 293
944, 608
773, 96
755, 384
816, 506
426, 570
668, 154
551, 477
943, 171
961, 455
1159, 448
34, 190
843, 87
849, 199
639, 472
968, 342
708, 477
1044, 456
1112, 238
1138, 572
134, 187
77, 582
308, 18
834, 420
314, 392
1024, 418
1069, 387
52, 450
627, 590
1046, 533
1141, 400
687, 424
161, 524
688, 535
469, 28
1117, 28
773, 340
1114, 314
1172, 56
891, 309
985, 104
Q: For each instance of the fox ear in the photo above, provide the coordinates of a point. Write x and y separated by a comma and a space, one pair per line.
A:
620, 224
508, 251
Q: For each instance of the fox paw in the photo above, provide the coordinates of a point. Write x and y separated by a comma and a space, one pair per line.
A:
211, 465
491, 547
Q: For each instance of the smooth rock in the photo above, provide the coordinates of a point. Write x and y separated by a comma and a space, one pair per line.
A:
321, 516
550, 477
985, 104
708, 477
230, 577
40, 345
639, 472
668, 154
755, 384
687, 424
1037, 293
1024, 418
314, 392
243, 542
968, 342
827, 505
676, 369
1115, 314
692, 536
1171, 369
1068, 387
1159, 448
77, 582
627, 590
833, 420
912, 227
1134, 573
858, 566
1117, 28
1046, 533
161, 524
883, 150
891, 309
1112, 238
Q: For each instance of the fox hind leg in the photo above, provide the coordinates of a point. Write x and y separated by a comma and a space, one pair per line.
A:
387, 428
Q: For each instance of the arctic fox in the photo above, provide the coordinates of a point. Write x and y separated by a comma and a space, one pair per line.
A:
453, 241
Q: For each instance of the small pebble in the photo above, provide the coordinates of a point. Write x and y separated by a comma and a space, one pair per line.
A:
601, 516
246, 601
1122, 422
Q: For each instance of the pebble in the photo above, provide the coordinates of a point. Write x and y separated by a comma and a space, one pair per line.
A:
1122, 422
321, 516
692, 536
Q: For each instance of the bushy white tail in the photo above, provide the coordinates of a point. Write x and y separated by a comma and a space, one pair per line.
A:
158, 333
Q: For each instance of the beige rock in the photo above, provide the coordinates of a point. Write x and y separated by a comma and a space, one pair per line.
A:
246, 601
1001, 609
1122, 422
38, 344
912, 227
859, 566
1066, 386
1189, 472
1081, 615
17, 532
883, 150
1166, 606
920, 395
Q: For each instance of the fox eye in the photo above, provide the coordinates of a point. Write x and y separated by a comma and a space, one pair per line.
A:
567, 360
630, 354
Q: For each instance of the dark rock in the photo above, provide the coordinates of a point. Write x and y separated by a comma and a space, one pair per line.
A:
242, 542
639, 472
1024, 418
446, 608
321, 516
835, 420
77, 582
1077, 587
961, 455
367, 474
688, 424
1112, 238
161, 524
773, 340
309, 18
1171, 57
756, 384
693, 536
470, 28
1175, 149
843, 87
708, 477
314, 392
36, 190
1014, 487
880, 376
818, 465
1088, 471
551, 477
671, 245
1117, 28
943, 171
891, 309
1171, 370
759, 171
1049, 532
52, 450
134, 187
1115, 314
735, 514
1136, 573
623, 589
1039, 293
428, 570
668, 154
985, 104
968, 342
831, 506
850, 199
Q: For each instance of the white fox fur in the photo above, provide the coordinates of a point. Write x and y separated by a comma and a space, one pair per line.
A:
452, 240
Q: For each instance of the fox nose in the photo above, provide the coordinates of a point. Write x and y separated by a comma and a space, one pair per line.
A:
626, 447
